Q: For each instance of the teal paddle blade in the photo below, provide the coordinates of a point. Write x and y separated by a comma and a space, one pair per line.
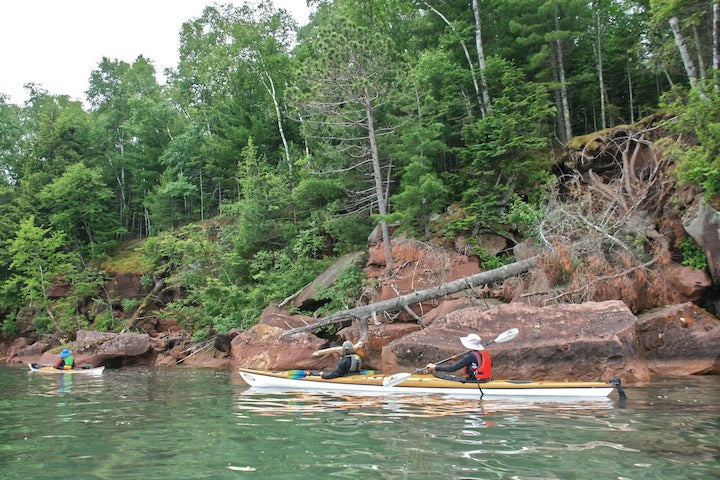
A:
296, 374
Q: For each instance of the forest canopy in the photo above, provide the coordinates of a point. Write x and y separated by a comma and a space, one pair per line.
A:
271, 149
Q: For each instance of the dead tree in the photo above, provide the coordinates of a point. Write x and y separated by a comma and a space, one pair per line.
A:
419, 296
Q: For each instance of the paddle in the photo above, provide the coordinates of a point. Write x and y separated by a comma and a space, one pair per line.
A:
38, 366
298, 374
392, 380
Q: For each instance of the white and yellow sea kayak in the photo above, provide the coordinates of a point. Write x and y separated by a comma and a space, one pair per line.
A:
418, 383
46, 369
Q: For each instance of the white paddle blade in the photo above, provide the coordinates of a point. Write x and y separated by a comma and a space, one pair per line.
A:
394, 379
507, 335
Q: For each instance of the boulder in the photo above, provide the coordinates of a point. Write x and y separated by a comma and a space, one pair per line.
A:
207, 359
261, 348
104, 348
490, 242
525, 249
447, 306
223, 342
689, 284
306, 298
591, 341
25, 350
59, 288
126, 285
680, 340
281, 318
702, 223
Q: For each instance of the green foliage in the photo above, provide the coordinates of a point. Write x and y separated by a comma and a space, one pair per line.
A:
37, 257
343, 293
693, 254
104, 322
129, 304
67, 319
43, 323
80, 205
9, 325
697, 162
525, 216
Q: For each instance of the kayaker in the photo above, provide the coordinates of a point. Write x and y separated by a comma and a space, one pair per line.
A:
65, 360
350, 362
476, 362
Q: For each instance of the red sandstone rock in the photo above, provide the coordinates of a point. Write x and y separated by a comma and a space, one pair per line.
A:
592, 341
281, 318
680, 340
126, 285
102, 348
690, 284
261, 348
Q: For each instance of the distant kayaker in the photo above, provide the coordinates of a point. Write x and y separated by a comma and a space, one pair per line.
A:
65, 360
476, 362
350, 362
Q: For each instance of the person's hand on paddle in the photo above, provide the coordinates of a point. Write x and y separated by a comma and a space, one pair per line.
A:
430, 366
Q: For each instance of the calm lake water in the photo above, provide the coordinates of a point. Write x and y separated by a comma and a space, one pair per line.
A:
201, 424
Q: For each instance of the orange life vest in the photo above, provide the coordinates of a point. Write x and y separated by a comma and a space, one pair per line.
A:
484, 368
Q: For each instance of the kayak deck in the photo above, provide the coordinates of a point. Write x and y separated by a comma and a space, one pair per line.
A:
85, 371
424, 384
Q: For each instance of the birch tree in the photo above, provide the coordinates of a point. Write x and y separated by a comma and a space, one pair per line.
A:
481, 57
684, 51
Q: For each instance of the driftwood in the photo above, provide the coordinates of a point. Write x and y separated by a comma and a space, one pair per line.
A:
431, 293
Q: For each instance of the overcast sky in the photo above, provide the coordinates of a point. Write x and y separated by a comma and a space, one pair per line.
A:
57, 43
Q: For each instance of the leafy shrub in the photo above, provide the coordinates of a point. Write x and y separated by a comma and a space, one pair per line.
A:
693, 254
343, 293
9, 326
525, 216
104, 322
43, 324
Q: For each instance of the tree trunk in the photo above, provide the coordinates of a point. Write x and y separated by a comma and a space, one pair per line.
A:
630, 93
716, 37
481, 58
561, 76
270, 87
202, 196
684, 51
419, 296
598, 51
377, 173
698, 48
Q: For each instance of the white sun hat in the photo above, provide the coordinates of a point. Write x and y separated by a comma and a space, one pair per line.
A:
472, 342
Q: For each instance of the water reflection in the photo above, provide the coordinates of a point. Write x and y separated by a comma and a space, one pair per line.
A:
270, 402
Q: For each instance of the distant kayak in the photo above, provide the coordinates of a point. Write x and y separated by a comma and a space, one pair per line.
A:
34, 367
422, 384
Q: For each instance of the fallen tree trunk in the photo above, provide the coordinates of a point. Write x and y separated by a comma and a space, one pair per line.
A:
419, 296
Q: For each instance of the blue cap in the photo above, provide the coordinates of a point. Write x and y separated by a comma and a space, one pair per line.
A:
65, 353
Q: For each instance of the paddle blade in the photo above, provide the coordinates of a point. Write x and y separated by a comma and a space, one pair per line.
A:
295, 374
394, 379
507, 335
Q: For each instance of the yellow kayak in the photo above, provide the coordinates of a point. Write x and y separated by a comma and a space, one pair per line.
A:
419, 383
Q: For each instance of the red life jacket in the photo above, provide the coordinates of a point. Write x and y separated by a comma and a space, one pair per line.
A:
484, 368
